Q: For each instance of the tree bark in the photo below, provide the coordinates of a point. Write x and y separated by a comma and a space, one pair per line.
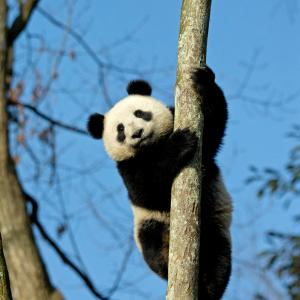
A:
5, 292
28, 278
186, 190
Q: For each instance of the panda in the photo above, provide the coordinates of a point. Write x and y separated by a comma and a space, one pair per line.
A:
138, 135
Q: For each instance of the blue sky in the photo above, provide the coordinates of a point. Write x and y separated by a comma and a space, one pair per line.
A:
244, 35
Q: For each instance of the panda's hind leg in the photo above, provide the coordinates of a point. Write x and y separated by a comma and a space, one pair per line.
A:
153, 237
215, 267
215, 243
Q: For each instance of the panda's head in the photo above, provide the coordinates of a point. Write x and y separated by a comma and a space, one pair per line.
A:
134, 122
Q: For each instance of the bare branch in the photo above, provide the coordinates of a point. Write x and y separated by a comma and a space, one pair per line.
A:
61, 254
122, 269
49, 119
21, 21
249, 72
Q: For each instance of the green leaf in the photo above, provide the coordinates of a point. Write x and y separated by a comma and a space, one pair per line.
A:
260, 192
273, 185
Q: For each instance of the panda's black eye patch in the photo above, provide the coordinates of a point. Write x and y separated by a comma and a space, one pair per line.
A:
120, 127
121, 135
145, 115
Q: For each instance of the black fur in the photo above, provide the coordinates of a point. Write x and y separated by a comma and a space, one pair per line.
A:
215, 243
145, 115
95, 125
138, 133
172, 109
214, 110
149, 175
121, 135
152, 235
139, 87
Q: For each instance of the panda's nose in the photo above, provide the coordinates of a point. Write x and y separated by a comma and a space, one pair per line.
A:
138, 134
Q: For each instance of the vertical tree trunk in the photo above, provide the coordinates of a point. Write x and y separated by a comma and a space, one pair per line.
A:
5, 293
29, 280
186, 190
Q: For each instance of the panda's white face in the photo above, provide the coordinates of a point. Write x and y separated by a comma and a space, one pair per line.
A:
134, 122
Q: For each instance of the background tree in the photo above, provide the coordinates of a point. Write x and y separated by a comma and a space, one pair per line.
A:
22, 256
5, 292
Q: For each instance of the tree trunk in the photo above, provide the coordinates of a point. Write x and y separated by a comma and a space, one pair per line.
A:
29, 280
5, 293
186, 189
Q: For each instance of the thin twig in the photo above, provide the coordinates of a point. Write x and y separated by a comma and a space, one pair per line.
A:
122, 269
49, 119
84, 44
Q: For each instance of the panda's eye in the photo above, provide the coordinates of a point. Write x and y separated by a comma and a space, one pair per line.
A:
145, 115
138, 113
120, 127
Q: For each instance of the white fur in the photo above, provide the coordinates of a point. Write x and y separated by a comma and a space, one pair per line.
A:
142, 214
160, 125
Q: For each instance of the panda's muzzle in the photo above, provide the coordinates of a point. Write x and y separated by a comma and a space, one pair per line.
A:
138, 134
143, 140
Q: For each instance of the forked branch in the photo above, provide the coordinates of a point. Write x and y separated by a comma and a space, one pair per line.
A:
25, 11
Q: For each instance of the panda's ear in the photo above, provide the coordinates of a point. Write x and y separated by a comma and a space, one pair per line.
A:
95, 125
139, 87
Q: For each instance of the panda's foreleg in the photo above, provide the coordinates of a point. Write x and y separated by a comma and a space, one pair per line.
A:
176, 152
214, 109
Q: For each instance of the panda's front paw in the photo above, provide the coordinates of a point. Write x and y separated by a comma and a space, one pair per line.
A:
203, 77
184, 143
